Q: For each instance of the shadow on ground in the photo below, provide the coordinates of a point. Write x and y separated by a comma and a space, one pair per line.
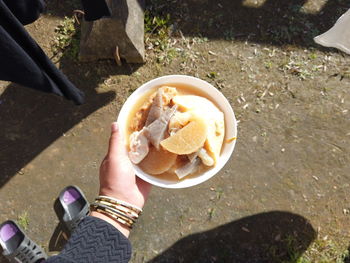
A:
271, 21
61, 234
262, 21
275, 236
31, 120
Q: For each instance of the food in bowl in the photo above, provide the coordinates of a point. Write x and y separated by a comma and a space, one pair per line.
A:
175, 132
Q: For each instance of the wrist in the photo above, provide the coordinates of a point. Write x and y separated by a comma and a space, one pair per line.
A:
122, 228
119, 196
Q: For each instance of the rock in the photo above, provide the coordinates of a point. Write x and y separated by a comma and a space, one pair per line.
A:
118, 36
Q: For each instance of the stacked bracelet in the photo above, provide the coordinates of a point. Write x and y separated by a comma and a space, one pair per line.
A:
118, 210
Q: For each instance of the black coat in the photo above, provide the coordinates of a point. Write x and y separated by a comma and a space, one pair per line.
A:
21, 58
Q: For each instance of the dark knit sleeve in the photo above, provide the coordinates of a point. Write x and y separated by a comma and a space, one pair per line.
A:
96, 241
95, 9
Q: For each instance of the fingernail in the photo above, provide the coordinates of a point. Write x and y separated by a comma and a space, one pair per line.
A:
115, 127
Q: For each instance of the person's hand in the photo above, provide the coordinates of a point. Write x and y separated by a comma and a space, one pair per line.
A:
117, 177
118, 180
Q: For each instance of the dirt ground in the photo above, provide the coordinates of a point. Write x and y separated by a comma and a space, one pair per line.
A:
282, 197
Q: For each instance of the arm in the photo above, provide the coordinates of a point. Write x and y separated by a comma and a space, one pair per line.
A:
118, 180
96, 241
99, 237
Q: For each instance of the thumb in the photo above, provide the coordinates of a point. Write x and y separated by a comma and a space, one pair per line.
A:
116, 142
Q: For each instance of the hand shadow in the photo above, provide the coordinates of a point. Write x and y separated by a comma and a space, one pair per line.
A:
275, 236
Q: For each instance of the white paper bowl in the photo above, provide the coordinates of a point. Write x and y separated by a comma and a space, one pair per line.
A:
216, 96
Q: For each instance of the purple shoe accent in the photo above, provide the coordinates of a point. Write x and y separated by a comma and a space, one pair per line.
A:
70, 195
8, 231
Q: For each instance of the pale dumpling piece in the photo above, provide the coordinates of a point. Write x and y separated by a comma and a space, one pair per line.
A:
214, 119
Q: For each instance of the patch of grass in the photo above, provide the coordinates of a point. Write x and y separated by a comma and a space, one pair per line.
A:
313, 56
219, 192
303, 68
211, 213
163, 39
200, 39
268, 64
320, 251
214, 78
23, 220
167, 56
325, 250
131, 90
287, 251
297, 68
158, 28
212, 75
67, 40
229, 34
292, 250
156, 24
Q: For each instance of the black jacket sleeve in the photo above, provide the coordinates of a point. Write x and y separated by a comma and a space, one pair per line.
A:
24, 62
96, 241
95, 9
26, 11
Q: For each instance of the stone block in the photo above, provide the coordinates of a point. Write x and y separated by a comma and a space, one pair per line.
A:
115, 37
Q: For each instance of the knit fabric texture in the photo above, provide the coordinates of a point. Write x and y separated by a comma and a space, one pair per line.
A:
95, 240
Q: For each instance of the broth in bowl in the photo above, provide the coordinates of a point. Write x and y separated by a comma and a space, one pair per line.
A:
175, 132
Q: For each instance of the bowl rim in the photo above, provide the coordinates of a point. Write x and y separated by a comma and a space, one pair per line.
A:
226, 108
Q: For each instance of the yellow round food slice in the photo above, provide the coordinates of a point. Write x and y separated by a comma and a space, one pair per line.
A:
158, 161
189, 139
213, 117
